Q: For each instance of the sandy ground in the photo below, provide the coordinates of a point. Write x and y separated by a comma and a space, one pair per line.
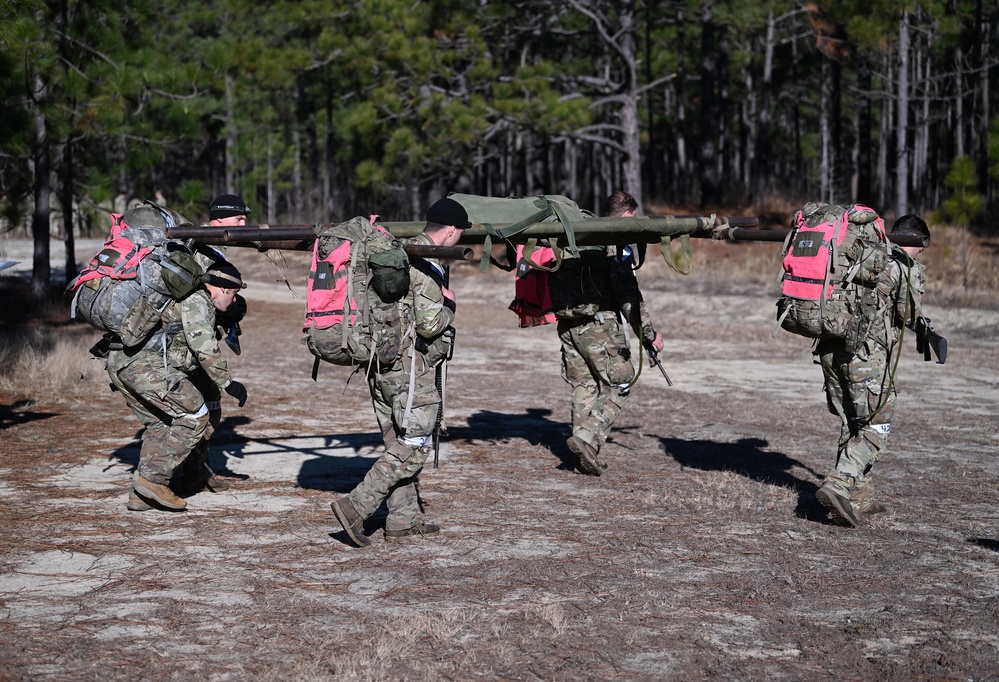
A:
699, 554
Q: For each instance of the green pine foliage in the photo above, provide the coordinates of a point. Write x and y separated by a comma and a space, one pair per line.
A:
317, 109
964, 203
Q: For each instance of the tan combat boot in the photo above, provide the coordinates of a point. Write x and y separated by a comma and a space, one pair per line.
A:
589, 462
157, 492
420, 530
351, 521
136, 503
835, 496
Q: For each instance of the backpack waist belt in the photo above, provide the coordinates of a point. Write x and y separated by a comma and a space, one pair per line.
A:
811, 280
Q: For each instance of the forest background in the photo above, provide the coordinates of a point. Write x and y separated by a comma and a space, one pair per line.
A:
318, 110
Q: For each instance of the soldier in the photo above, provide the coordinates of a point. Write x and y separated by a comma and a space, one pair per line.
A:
163, 386
405, 395
588, 294
227, 210
860, 388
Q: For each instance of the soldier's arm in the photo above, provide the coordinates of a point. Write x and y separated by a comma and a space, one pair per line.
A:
198, 317
907, 281
433, 310
915, 286
630, 301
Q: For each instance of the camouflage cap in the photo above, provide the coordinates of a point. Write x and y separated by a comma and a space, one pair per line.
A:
149, 214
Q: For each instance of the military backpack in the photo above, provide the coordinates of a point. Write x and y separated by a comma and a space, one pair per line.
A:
357, 304
125, 287
832, 261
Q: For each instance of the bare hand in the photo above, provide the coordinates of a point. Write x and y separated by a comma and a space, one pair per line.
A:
658, 343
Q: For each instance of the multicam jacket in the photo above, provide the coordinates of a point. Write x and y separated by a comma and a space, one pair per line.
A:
190, 336
594, 283
900, 295
433, 313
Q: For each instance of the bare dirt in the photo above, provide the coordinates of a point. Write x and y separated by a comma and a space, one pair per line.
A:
700, 553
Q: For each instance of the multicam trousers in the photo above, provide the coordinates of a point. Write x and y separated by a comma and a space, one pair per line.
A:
861, 391
393, 477
596, 363
171, 407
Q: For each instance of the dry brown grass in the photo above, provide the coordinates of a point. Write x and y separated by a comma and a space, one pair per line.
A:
944, 269
49, 359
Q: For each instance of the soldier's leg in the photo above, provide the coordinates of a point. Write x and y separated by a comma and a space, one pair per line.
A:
150, 422
393, 476
863, 497
582, 384
870, 407
873, 408
179, 405
604, 348
381, 401
837, 485
584, 392
195, 471
404, 513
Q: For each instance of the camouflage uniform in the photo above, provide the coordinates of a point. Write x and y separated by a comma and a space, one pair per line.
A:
169, 383
588, 294
393, 477
860, 388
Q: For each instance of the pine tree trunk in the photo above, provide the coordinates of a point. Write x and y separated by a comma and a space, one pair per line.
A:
41, 268
825, 192
837, 158
652, 155
67, 210
761, 155
297, 192
709, 123
230, 136
863, 191
902, 126
987, 24
959, 103
723, 169
271, 208
883, 150
920, 165
681, 171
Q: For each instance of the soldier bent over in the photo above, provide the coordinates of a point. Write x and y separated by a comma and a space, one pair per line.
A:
165, 384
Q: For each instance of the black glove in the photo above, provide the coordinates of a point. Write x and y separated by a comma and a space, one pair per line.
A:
237, 391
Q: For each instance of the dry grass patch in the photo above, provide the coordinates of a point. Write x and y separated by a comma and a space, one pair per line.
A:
51, 360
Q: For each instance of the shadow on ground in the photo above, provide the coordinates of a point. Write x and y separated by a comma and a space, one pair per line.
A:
320, 470
749, 457
533, 426
19, 412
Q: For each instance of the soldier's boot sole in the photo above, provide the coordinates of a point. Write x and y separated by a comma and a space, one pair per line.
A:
838, 506
588, 461
351, 521
158, 493
136, 503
